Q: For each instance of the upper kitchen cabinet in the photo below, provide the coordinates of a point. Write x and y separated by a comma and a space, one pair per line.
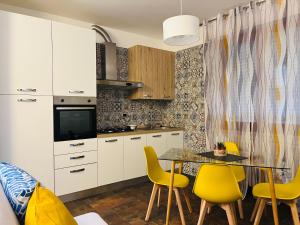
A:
26, 55
74, 60
155, 68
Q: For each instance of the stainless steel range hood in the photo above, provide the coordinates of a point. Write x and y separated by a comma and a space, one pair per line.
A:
107, 74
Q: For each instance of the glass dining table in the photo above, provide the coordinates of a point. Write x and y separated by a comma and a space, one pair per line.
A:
179, 156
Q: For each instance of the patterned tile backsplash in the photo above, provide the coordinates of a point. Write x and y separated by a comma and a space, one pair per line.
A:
187, 110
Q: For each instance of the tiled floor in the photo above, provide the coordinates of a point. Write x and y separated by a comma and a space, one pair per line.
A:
128, 207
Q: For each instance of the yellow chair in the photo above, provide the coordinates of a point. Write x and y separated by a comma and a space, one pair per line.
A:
217, 185
161, 178
287, 193
238, 171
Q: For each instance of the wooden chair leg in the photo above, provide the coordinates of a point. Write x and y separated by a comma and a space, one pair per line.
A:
240, 206
203, 209
294, 212
229, 213
260, 210
179, 206
152, 198
233, 212
255, 210
158, 197
187, 200
208, 210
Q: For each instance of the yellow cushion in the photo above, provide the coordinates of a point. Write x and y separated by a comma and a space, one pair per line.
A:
180, 181
289, 191
44, 208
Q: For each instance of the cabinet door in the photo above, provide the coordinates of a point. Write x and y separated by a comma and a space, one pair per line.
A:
134, 157
74, 60
159, 142
26, 55
167, 90
174, 140
110, 160
26, 138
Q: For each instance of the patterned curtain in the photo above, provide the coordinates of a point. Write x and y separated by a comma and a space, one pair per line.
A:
252, 81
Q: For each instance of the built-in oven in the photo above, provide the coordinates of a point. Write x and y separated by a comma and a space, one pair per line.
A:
74, 118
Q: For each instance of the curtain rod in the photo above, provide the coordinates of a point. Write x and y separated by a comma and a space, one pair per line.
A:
258, 3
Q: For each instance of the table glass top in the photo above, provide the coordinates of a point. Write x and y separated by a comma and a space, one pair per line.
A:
187, 155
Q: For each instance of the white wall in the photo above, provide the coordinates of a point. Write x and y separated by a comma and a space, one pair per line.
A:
122, 38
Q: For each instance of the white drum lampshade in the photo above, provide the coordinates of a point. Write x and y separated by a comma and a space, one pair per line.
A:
181, 30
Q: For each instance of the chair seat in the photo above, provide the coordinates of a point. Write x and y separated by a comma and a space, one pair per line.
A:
180, 181
287, 191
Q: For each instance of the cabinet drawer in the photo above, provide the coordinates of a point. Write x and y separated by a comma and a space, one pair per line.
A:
75, 179
75, 146
81, 158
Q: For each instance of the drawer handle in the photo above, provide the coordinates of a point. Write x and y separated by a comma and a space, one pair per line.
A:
26, 90
77, 171
76, 92
112, 140
27, 100
147, 95
175, 134
78, 157
135, 138
157, 136
76, 145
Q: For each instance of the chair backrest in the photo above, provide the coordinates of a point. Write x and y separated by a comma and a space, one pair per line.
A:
231, 147
217, 184
154, 169
238, 171
297, 177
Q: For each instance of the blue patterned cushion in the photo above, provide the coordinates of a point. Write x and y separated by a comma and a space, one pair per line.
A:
18, 186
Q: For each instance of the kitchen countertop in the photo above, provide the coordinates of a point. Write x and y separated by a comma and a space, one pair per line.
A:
140, 131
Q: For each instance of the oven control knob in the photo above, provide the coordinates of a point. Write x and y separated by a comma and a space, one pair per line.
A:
89, 100
62, 100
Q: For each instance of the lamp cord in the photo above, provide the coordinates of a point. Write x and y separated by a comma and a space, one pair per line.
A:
180, 7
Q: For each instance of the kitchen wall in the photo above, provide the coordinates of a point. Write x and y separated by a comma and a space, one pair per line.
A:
122, 38
114, 107
187, 110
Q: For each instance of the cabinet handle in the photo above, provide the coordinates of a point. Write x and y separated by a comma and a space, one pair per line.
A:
76, 92
77, 171
27, 100
175, 134
135, 138
167, 96
157, 136
112, 140
77, 157
26, 90
77, 144
147, 95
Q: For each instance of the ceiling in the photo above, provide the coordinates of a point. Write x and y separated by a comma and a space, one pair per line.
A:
138, 16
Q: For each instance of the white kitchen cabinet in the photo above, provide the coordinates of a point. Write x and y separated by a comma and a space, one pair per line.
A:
110, 160
74, 179
174, 140
74, 60
26, 138
134, 156
75, 146
159, 142
26, 55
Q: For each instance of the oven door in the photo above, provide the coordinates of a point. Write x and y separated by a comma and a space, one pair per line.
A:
74, 122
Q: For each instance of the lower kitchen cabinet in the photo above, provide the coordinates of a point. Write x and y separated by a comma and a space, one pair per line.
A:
159, 142
134, 157
26, 139
174, 140
110, 160
74, 179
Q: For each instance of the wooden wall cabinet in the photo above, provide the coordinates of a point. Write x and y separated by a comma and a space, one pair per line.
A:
155, 68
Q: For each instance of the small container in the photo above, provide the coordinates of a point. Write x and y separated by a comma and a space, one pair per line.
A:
132, 126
